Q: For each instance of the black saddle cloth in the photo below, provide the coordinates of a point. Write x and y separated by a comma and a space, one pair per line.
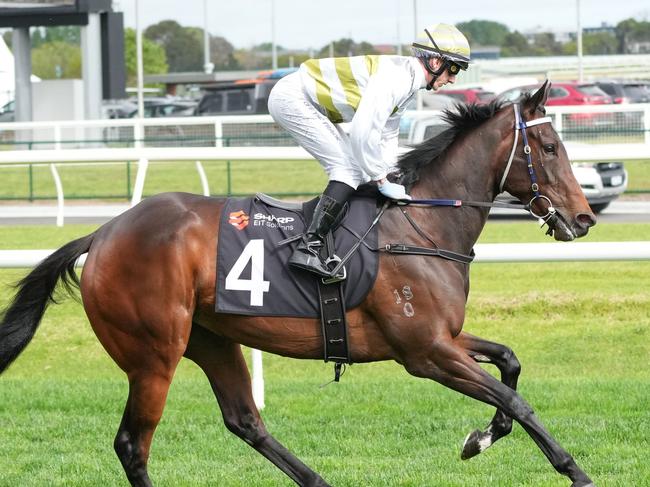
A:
253, 276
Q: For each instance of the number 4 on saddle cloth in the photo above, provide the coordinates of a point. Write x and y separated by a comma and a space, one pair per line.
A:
253, 275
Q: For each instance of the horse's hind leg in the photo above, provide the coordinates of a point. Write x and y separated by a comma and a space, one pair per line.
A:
144, 407
223, 363
149, 360
449, 364
484, 351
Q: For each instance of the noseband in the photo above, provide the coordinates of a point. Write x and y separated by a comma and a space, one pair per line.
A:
522, 125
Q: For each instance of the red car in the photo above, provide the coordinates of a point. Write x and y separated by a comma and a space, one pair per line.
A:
569, 94
572, 93
470, 95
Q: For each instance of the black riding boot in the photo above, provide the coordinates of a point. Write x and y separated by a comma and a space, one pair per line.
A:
307, 253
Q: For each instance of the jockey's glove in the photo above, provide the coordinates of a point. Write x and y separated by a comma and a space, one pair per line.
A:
393, 191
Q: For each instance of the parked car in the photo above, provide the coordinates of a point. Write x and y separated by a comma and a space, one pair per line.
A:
166, 107
571, 94
625, 92
118, 109
7, 112
563, 94
469, 95
601, 182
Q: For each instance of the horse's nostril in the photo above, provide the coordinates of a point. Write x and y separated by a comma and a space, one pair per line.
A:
586, 220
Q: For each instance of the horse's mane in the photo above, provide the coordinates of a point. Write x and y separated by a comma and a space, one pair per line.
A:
462, 118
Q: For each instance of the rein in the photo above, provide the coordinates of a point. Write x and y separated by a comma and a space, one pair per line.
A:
520, 126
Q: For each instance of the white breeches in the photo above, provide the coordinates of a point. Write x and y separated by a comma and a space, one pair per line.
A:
325, 141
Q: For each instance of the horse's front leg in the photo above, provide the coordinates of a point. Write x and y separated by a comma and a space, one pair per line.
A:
448, 363
484, 351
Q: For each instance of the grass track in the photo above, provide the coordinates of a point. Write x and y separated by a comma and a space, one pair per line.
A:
581, 331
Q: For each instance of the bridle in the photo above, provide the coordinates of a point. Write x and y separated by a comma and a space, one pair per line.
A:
520, 126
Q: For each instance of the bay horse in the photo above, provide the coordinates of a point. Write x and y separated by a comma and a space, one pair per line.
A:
149, 279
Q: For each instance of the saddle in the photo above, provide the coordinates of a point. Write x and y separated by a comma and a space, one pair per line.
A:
256, 238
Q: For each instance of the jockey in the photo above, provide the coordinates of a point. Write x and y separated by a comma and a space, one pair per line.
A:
346, 111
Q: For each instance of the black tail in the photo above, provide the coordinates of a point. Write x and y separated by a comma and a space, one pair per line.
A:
19, 321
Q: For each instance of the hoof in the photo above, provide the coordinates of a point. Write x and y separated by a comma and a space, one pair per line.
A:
472, 445
582, 484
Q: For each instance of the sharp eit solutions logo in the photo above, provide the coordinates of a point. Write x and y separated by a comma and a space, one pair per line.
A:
238, 219
272, 221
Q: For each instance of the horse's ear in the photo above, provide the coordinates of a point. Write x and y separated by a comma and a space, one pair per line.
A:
538, 100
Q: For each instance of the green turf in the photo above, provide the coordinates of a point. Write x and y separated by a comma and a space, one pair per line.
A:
580, 330
109, 181
638, 175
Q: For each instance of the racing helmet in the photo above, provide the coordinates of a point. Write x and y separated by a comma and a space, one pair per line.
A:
445, 41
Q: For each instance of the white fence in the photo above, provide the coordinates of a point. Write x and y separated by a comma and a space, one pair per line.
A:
592, 133
623, 124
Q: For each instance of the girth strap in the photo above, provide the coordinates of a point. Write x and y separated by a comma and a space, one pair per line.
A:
334, 324
332, 313
433, 252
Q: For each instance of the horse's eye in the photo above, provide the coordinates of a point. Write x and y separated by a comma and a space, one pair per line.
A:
549, 148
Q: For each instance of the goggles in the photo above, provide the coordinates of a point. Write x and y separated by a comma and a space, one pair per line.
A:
452, 68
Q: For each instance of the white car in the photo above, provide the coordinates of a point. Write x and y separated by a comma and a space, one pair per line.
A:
601, 182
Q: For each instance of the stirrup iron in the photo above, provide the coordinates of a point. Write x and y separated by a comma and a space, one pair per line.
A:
341, 276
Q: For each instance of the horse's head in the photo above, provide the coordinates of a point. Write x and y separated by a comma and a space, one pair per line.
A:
539, 173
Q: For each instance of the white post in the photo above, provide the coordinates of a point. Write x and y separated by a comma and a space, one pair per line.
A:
22, 50
397, 33
258, 379
138, 187
646, 124
138, 49
274, 47
57, 136
418, 96
558, 123
59, 195
218, 133
138, 132
204, 179
579, 43
208, 67
91, 64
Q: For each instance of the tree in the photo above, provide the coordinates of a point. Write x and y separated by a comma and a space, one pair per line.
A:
183, 45
515, 44
484, 32
56, 60
629, 31
268, 47
70, 34
291, 60
222, 54
347, 47
544, 44
153, 57
250, 59
598, 43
